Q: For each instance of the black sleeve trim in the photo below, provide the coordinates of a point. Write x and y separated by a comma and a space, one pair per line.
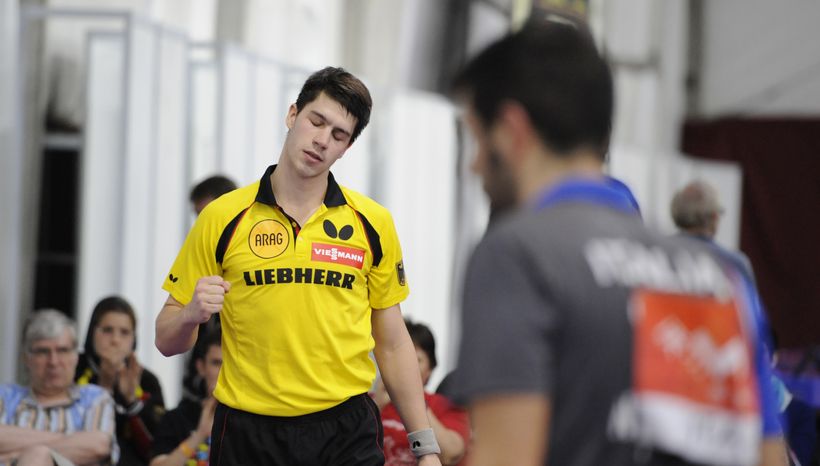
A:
227, 235
373, 238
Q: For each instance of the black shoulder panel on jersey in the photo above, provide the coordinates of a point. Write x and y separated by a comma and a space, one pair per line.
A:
373, 238
227, 235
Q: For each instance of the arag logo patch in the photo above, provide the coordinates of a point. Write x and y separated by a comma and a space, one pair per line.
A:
268, 239
337, 255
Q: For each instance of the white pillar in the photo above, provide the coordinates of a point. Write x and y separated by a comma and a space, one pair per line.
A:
11, 177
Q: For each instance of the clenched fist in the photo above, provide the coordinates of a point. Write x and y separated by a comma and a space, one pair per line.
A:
209, 295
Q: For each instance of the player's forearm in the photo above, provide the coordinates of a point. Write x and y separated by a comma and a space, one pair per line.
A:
14, 438
510, 429
83, 447
175, 332
399, 370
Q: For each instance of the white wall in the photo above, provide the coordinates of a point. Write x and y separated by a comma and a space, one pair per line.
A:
11, 180
302, 33
648, 43
419, 166
133, 203
655, 179
760, 58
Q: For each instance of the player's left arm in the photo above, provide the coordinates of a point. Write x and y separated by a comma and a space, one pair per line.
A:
398, 365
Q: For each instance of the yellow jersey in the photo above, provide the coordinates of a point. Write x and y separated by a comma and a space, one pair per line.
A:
296, 333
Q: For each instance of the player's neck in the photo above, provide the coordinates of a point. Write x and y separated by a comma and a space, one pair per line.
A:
544, 172
299, 197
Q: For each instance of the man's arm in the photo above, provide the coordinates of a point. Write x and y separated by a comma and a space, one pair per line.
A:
177, 324
399, 368
83, 447
510, 429
773, 452
16, 439
80, 447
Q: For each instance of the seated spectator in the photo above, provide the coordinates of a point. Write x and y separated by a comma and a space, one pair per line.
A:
449, 422
53, 421
184, 433
109, 361
447, 386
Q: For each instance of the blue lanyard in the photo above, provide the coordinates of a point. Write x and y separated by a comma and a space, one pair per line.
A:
607, 192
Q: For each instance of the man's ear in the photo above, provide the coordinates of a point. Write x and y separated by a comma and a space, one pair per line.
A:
513, 132
290, 119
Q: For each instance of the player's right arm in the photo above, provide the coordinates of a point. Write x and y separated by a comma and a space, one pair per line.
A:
177, 323
510, 429
773, 452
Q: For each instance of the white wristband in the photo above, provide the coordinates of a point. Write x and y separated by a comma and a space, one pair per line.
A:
423, 442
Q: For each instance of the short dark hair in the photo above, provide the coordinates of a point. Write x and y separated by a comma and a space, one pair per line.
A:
423, 339
555, 72
212, 187
211, 337
342, 87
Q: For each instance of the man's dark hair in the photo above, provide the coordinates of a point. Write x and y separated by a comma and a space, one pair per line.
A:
342, 87
423, 339
212, 187
208, 338
556, 73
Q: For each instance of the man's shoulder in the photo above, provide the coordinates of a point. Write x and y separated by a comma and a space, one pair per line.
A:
365, 205
11, 393
733, 258
523, 230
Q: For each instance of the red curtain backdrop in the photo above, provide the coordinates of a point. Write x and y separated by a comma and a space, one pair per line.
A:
780, 218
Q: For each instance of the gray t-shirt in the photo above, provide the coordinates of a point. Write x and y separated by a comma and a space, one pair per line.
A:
546, 309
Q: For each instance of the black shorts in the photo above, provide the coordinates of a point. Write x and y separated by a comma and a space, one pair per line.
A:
348, 434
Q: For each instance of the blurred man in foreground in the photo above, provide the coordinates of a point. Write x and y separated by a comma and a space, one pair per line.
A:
588, 339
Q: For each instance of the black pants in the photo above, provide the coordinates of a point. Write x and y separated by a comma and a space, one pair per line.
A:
348, 434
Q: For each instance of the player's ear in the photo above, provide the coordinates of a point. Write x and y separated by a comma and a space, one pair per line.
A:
290, 119
512, 131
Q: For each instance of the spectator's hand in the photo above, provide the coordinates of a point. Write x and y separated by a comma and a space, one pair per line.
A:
129, 378
209, 295
206, 419
429, 460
